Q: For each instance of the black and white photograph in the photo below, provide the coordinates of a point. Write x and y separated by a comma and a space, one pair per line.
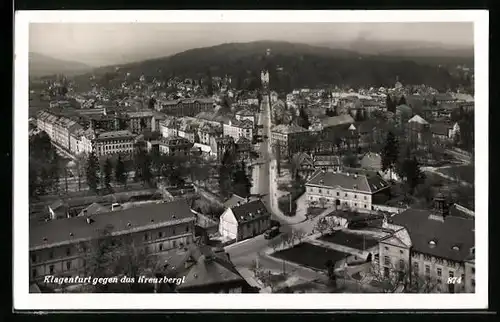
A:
336, 155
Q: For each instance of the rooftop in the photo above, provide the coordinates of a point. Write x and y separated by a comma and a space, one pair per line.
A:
288, 129
362, 182
115, 135
450, 238
249, 211
69, 230
337, 120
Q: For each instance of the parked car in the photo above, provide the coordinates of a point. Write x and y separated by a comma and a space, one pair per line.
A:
271, 233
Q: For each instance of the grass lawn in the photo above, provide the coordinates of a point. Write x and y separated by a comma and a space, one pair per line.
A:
310, 255
462, 172
314, 211
355, 241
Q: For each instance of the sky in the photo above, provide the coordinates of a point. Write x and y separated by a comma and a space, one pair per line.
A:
115, 43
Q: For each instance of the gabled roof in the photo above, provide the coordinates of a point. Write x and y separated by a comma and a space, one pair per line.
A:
348, 181
209, 268
446, 234
58, 231
418, 119
337, 120
250, 211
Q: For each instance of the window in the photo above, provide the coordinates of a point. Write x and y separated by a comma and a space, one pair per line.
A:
345, 195
319, 190
439, 272
473, 282
473, 270
462, 277
160, 234
387, 260
365, 206
338, 193
401, 264
146, 236
386, 248
355, 205
173, 231
365, 197
160, 246
451, 274
68, 251
376, 257
427, 270
187, 229
33, 258
51, 269
401, 251
33, 272
355, 196
174, 243
68, 265
415, 267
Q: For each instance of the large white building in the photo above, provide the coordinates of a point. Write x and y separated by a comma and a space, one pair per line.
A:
60, 247
115, 142
430, 246
237, 129
355, 189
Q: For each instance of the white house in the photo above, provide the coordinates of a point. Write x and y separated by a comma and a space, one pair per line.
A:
245, 220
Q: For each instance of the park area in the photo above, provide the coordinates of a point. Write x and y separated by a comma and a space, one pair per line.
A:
356, 241
310, 256
461, 172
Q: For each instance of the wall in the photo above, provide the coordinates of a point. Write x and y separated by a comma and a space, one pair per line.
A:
355, 200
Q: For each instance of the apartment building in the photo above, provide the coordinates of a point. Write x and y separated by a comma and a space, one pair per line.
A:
140, 121
115, 142
429, 248
175, 146
61, 247
168, 127
289, 138
237, 129
245, 115
185, 107
357, 190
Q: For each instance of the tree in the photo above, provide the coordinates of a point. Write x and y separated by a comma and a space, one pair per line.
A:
299, 234
209, 85
330, 268
390, 152
359, 116
120, 172
330, 112
241, 183
321, 226
391, 106
391, 279
92, 172
303, 119
107, 172
410, 171
402, 100
350, 160
151, 103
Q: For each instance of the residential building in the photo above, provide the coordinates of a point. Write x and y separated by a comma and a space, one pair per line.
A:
419, 132
185, 107
442, 132
354, 189
116, 142
244, 221
169, 127
304, 164
61, 247
237, 129
210, 271
140, 121
245, 114
290, 138
220, 145
429, 246
175, 146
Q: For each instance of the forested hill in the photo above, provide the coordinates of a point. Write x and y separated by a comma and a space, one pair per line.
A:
291, 65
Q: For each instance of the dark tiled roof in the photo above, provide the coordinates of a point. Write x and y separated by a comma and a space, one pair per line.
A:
250, 211
337, 120
448, 233
209, 268
58, 231
348, 181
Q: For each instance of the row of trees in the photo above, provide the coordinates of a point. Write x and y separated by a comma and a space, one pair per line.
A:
44, 166
391, 103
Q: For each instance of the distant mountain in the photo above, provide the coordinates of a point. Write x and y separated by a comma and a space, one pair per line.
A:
41, 65
417, 51
291, 65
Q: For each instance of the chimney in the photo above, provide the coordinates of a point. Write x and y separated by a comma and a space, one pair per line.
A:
89, 220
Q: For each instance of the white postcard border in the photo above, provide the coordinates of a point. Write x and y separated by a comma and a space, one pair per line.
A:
23, 300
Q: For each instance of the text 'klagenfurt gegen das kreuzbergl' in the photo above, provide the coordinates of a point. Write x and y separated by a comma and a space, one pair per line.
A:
50, 279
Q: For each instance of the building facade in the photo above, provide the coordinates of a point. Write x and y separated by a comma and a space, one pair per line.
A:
237, 129
346, 190
175, 146
289, 138
245, 220
62, 247
116, 142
